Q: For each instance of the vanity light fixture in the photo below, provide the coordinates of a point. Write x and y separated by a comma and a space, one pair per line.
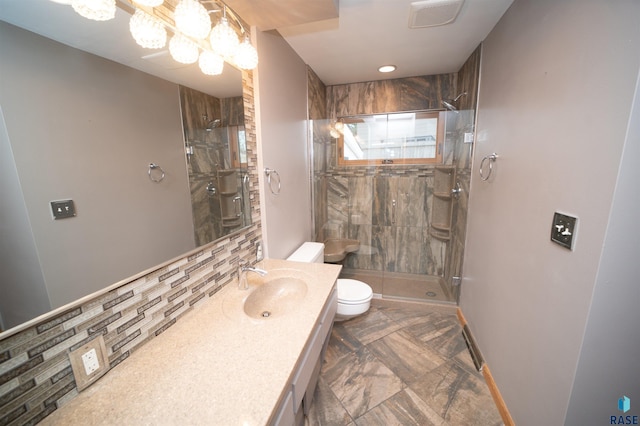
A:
192, 19
210, 63
183, 50
223, 38
246, 56
336, 129
191, 25
96, 10
147, 31
387, 68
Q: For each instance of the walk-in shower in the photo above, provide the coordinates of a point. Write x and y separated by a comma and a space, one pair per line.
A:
410, 226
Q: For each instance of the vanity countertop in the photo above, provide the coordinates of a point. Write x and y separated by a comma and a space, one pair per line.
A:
214, 366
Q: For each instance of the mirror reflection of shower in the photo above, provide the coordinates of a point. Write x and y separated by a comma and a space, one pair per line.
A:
451, 104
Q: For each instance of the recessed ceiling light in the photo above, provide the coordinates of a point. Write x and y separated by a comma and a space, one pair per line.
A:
387, 68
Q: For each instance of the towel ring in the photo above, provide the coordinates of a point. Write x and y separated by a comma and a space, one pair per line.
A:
156, 174
491, 158
271, 172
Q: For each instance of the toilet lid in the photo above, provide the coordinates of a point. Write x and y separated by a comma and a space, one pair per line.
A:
353, 291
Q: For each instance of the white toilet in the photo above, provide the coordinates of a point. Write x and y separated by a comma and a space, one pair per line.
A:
354, 297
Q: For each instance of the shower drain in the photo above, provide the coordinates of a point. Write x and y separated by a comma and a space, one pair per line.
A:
266, 314
431, 294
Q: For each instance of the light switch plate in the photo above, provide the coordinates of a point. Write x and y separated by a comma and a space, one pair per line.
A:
89, 362
563, 230
62, 209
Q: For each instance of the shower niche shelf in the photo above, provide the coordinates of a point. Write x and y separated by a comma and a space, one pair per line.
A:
443, 183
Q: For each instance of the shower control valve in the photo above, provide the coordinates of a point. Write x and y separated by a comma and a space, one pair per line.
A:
563, 230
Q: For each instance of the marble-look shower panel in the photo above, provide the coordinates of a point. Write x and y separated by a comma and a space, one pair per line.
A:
404, 94
337, 206
369, 256
360, 199
409, 250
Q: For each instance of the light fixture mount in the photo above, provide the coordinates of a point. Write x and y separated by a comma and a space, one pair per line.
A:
387, 68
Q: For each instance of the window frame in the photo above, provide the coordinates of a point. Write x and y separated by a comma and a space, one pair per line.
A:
439, 115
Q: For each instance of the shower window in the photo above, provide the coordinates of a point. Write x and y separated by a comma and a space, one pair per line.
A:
397, 138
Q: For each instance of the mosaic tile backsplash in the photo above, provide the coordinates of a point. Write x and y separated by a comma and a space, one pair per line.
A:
35, 372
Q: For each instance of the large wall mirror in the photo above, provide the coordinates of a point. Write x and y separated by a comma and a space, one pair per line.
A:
153, 160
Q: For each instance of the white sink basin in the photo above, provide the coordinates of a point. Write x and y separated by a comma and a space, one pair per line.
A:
275, 297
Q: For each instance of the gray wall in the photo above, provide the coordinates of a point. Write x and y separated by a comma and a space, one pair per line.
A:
608, 368
86, 128
557, 82
281, 103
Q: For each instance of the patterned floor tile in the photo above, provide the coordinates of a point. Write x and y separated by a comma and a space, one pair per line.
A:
404, 408
457, 396
326, 409
401, 364
406, 356
371, 326
342, 343
443, 333
360, 381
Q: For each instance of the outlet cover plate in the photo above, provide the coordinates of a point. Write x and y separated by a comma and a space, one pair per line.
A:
563, 230
96, 352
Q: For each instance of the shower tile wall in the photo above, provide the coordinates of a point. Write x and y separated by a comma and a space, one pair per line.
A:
360, 206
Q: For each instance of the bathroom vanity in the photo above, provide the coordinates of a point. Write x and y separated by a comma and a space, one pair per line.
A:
220, 365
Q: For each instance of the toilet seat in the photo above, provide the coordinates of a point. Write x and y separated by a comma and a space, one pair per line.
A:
353, 292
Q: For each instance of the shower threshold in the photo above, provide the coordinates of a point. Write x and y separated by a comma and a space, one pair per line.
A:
397, 285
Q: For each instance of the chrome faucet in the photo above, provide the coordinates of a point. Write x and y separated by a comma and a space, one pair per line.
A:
243, 268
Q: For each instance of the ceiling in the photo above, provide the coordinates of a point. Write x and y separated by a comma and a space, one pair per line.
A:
344, 49
371, 33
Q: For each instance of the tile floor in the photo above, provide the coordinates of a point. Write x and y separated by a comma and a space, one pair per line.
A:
401, 364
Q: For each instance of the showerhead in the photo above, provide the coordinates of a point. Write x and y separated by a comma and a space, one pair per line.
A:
450, 103
213, 124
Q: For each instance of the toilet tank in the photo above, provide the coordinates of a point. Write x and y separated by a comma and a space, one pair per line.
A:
308, 252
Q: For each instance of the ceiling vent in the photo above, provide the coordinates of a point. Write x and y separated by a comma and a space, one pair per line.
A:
431, 13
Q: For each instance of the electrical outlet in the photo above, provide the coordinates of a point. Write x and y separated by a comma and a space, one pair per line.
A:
89, 362
563, 230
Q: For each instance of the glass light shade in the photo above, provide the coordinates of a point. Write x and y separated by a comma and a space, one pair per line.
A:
183, 50
224, 39
192, 19
246, 56
97, 10
210, 63
147, 31
150, 3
